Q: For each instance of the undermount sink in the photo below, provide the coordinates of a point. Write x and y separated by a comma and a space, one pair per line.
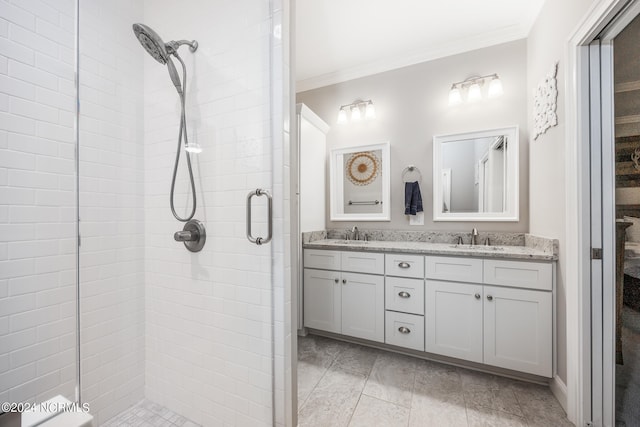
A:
478, 247
351, 242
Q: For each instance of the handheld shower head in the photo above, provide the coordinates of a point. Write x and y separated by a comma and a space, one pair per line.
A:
161, 51
152, 42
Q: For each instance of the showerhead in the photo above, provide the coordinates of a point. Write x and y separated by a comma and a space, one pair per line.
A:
152, 42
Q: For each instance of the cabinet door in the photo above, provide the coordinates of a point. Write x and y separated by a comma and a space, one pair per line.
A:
453, 319
322, 306
363, 306
518, 330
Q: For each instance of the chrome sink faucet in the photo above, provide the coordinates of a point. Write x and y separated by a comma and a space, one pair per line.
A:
474, 236
355, 233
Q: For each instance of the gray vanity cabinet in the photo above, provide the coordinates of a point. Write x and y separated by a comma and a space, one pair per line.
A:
340, 297
496, 312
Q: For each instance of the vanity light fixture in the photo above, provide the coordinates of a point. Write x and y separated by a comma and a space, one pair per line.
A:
455, 97
358, 109
473, 86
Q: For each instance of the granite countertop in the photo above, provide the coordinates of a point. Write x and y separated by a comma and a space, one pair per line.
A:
425, 248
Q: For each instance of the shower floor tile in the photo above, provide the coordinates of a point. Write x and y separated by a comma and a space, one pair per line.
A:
147, 413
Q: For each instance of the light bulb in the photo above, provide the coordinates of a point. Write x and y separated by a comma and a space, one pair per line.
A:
355, 113
455, 97
370, 111
474, 93
342, 116
193, 147
495, 88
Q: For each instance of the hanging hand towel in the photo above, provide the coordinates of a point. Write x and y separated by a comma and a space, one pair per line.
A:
412, 198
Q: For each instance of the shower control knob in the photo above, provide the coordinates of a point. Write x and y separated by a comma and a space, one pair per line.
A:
186, 236
193, 235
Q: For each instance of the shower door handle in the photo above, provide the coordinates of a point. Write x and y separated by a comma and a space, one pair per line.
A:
260, 240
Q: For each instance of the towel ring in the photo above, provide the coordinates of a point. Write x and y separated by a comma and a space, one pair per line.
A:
411, 170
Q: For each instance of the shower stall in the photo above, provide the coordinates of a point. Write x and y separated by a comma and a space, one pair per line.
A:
126, 274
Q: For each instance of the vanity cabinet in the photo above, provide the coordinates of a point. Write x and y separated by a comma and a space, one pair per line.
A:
497, 312
344, 302
501, 316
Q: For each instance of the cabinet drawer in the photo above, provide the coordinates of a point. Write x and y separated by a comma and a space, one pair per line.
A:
453, 268
403, 265
363, 262
406, 295
404, 330
519, 274
325, 260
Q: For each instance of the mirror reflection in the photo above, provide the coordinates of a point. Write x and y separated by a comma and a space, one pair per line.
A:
473, 175
476, 175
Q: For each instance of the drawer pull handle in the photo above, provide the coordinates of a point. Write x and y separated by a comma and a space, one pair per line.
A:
404, 264
477, 296
404, 330
344, 281
489, 297
404, 294
336, 280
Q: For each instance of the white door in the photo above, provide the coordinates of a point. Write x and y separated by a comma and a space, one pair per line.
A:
453, 319
362, 306
322, 300
518, 330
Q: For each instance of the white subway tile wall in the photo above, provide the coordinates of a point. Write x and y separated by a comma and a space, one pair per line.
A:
189, 331
112, 252
37, 200
208, 314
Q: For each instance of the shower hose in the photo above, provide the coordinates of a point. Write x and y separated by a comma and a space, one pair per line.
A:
183, 133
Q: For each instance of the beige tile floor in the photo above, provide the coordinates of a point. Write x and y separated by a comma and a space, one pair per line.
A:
342, 384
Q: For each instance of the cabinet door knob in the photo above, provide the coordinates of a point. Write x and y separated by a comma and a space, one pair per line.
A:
489, 297
404, 264
344, 281
404, 330
336, 280
404, 294
477, 296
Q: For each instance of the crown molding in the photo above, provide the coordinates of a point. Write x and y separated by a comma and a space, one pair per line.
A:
493, 38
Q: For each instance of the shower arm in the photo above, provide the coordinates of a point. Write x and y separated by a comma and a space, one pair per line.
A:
173, 46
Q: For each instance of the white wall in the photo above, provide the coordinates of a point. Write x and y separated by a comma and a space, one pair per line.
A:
313, 143
37, 199
546, 45
208, 314
111, 149
412, 106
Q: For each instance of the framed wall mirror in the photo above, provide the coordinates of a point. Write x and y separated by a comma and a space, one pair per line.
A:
475, 176
359, 183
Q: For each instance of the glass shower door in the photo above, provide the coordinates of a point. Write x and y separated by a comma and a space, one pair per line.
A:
171, 332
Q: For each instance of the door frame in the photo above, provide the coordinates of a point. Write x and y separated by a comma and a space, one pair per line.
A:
578, 219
